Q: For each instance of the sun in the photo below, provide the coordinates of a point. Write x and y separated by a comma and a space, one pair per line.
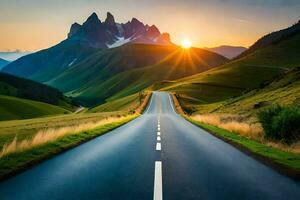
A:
186, 43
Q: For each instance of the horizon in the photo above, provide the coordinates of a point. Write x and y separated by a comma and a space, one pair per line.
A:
48, 22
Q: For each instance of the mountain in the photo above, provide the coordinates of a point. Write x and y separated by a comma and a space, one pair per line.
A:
228, 51
130, 68
82, 41
110, 34
273, 38
3, 63
26, 89
13, 55
254, 70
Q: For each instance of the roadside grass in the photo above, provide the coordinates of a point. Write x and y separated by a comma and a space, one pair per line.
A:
283, 158
49, 135
231, 123
21, 160
288, 159
23, 129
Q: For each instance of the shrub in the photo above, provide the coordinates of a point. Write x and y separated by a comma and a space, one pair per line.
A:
281, 123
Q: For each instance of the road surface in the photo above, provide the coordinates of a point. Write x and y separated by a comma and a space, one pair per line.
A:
158, 155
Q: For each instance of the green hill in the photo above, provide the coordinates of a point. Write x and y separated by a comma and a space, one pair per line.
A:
22, 88
106, 63
130, 68
12, 108
239, 76
179, 63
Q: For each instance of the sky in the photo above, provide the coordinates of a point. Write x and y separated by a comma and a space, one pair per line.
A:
31, 25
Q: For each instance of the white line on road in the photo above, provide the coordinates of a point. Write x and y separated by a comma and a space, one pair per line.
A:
158, 138
158, 133
158, 192
158, 146
149, 104
171, 103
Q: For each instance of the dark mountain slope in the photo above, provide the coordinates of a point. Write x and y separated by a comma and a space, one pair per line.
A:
47, 64
273, 38
26, 89
3, 63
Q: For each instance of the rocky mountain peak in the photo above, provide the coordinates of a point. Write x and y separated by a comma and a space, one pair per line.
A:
92, 19
74, 29
110, 20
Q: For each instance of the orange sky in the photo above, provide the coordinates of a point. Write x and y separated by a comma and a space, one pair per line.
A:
33, 25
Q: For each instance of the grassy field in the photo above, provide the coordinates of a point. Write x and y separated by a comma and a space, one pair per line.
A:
16, 108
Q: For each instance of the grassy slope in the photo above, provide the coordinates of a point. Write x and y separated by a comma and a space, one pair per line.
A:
123, 104
241, 75
284, 90
16, 108
178, 64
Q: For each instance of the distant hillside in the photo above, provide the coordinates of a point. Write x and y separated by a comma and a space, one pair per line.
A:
177, 63
47, 64
3, 63
273, 38
12, 108
241, 75
228, 51
18, 87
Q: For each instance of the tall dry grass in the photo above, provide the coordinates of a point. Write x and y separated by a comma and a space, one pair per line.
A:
230, 123
253, 131
52, 134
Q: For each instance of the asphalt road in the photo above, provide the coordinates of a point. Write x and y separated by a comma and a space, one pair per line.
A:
158, 155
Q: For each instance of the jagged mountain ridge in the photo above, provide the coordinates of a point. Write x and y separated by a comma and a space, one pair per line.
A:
109, 34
